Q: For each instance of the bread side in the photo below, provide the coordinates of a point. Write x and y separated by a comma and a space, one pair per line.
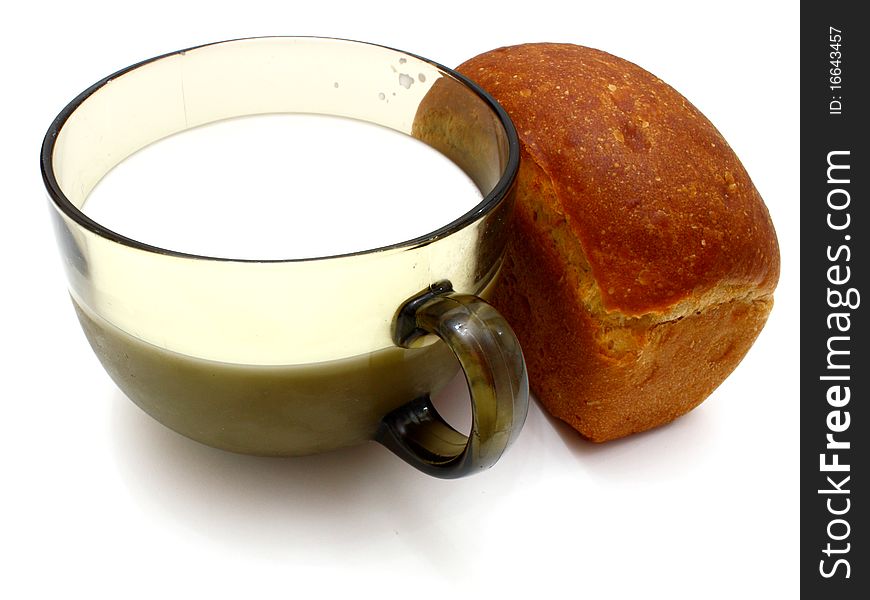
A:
606, 374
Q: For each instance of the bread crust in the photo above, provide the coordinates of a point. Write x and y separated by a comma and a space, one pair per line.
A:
644, 260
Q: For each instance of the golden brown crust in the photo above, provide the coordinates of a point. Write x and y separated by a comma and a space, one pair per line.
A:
644, 260
661, 205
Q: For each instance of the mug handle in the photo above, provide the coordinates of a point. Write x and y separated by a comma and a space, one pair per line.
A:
491, 358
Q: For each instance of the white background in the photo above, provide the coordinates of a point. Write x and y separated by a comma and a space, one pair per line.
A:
101, 500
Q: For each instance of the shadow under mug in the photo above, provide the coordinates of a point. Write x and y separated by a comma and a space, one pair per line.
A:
290, 357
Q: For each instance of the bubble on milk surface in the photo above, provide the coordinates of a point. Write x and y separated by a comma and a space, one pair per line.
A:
405, 80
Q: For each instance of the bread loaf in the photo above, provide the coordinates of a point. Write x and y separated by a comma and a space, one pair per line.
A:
643, 261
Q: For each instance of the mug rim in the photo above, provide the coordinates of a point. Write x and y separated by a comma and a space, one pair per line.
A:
487, 204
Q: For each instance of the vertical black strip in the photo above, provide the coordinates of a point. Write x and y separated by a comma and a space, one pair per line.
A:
834, 370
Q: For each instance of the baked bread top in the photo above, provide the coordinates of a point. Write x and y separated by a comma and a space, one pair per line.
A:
667, 217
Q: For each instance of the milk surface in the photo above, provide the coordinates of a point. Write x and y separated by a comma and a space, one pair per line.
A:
285, 186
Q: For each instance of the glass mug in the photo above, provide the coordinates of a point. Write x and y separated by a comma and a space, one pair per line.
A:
291, 357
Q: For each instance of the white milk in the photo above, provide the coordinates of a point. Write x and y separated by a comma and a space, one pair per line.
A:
282, 186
